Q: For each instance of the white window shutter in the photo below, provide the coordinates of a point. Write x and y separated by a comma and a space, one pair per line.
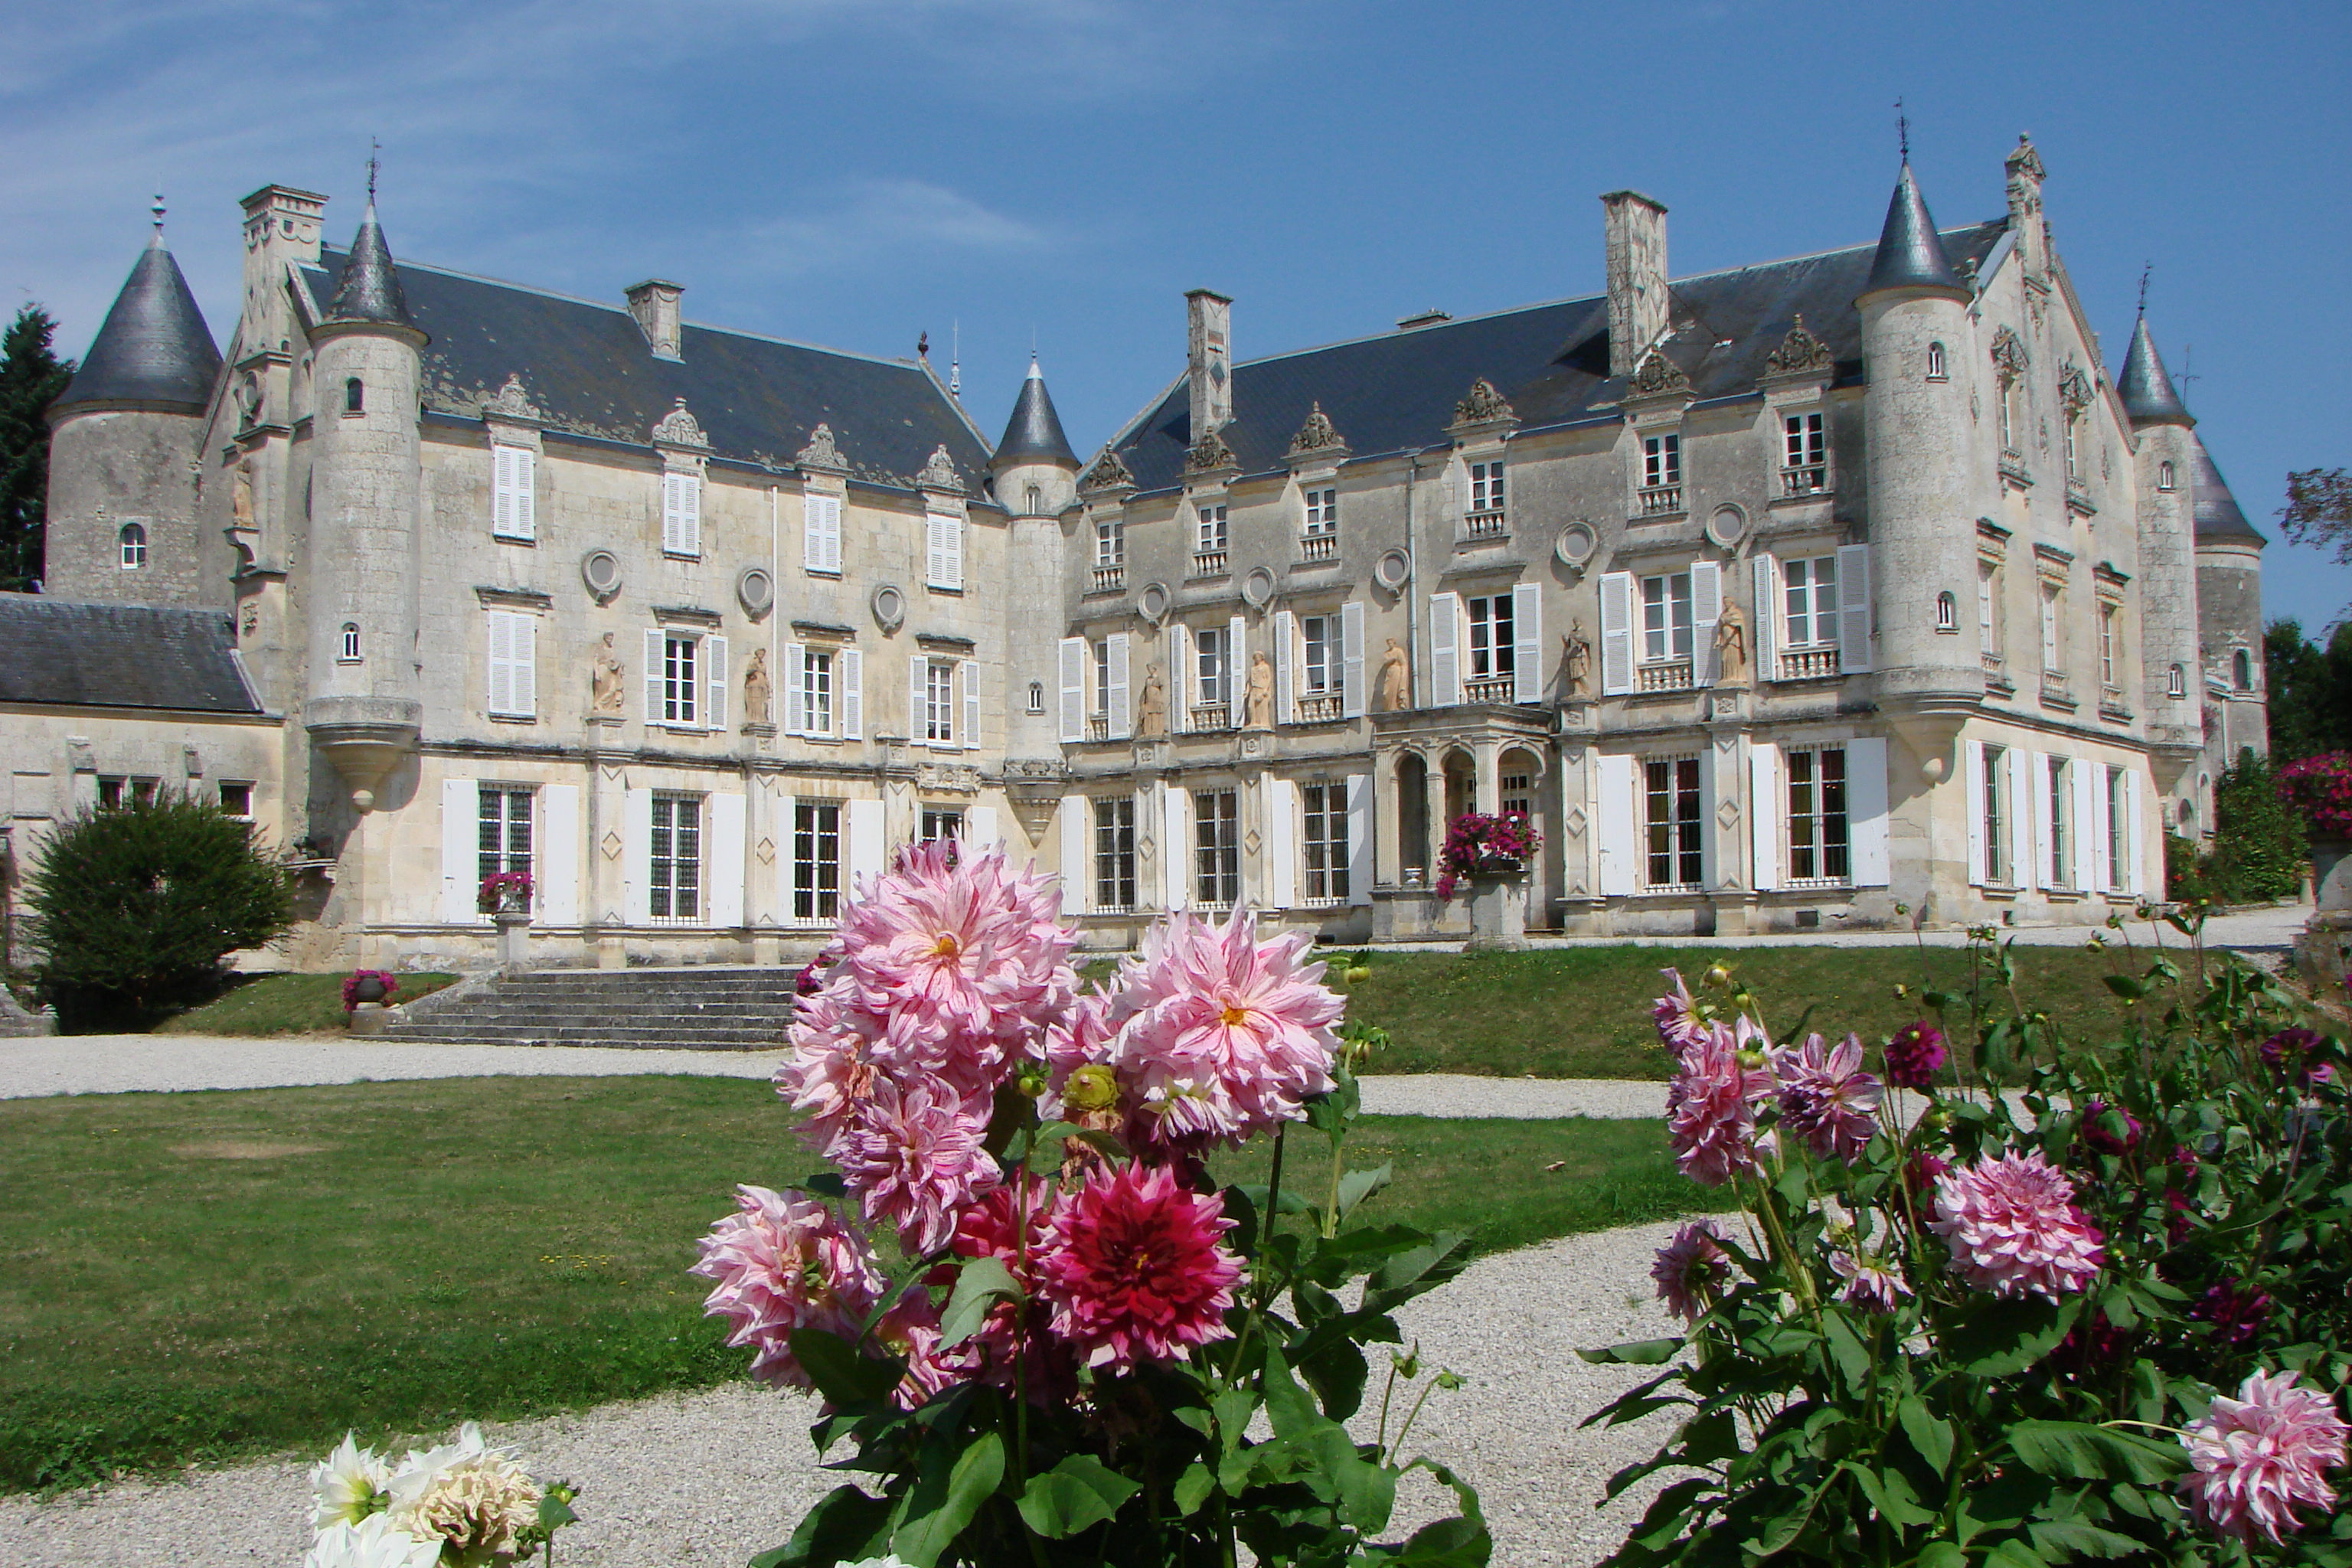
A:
461, 840
556, 848
522, 652
1073, 689
690, 491
1616, 634
1710, 860
1180, 678
1281, 843
494, 667
1237, 668
502, 491
2038, 769
1707, 610
636, 855
917, 700
2020, 817
2083, 776
1766, 618
832, 506
934, 551
526, 492
968, 677
1527, 650
1620, 844
821, 533
1865, 812
1360, 839
672, 515
1767, 812
1351, 660
714, 682
1854, 607
1285, 633
726, 859
1980, 852
1445, 649
1122, 717
1077, 861
1176, 845
2136, 881
795, 690
653, 676
849, 691
866, 847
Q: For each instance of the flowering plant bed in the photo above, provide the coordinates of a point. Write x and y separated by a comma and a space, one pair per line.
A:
1092, 1354
465, 1504
353, 982
1478, 845
2105, 1322
2321, 789
504, 893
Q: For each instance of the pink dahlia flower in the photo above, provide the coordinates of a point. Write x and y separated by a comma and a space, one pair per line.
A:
914, 1157
1677, 1014
2262, 1456
1710, 1109
784, 1263
2013, 1228
1136, 1269
2109, 1129
834, 1065
1826, 1098
1691, 1269
1871, 1283
1915, 1056
1221, 1035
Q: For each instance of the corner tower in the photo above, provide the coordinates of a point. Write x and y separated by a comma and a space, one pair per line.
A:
1035, 476
2229, 620
125, 449
2164, 455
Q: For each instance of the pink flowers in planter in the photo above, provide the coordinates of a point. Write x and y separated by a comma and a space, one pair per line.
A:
1479, 844
2262, 1456
2013, 1228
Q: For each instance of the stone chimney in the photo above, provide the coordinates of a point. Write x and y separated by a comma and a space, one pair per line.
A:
1637, 277
654, 303
1209, 351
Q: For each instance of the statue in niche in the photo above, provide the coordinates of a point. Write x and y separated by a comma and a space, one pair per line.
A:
240, 501
1576, 659
1151, 705
604, 689
756, 688
1395, 679
1732, 647
1257, 697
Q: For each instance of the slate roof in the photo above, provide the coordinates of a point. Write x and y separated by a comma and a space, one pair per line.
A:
586, 366
69, 653
370, 289
153, 348
1397, 392
2218, 516
1909, 256
1033, 433
2147, 391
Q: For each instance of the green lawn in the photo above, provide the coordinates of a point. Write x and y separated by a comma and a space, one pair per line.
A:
201, 1276
286, 1005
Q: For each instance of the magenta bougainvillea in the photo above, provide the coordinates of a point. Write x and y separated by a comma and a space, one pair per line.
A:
2321, 789
1478, 845
352, 985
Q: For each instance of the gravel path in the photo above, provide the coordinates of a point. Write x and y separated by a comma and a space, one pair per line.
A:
705, 1481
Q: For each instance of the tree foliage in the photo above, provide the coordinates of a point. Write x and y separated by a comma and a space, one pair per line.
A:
31, 378
2318, 510
2258, 848
132, 908
2310, 695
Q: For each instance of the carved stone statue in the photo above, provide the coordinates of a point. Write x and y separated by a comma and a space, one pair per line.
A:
1257, 697
1151, 705
756, 690
1576, 659
605, 682
240, 495
1395, 679
1732, 647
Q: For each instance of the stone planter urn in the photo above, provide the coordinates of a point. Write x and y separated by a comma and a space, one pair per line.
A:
514, 940
2324, 950
1498, 912
369, 989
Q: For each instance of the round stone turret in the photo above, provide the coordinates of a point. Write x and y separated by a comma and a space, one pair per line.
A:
2164, 454
1035, 476
1035, 473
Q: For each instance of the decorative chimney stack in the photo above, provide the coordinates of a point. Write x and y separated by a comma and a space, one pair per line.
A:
654, 303
1637, 277
1209, 348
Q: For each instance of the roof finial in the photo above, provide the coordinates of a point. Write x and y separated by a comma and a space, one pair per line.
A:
2145, 268
374, 147
1903, 129
955, 358
158, 210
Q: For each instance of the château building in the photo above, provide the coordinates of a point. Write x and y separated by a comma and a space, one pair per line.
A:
1786, 597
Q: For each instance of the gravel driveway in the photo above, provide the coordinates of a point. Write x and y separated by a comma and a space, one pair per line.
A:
705, 1480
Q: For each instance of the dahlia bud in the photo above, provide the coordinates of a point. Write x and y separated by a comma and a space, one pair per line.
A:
1750, 1059
1033, 1082
1901, 990
1091, 1088
1358, 971
1717, 974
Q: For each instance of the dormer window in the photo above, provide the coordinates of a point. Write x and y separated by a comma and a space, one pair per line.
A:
1805, 455
351, 647
1936, 368
2164, 475
354, 396
132, 543
1661, 475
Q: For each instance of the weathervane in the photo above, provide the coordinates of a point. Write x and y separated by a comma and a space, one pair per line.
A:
1903, 129
2145, 268
158, 210
374, 147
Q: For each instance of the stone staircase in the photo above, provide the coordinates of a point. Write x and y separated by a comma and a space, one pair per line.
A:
702, 1009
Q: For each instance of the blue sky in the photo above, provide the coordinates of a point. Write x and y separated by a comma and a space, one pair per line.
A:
856, 172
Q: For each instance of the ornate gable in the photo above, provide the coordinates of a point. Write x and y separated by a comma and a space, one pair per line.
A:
1799, 353
679, 428
1109, 474
2008, 354
821, 452
1484, 405
511, 402
1319, 435
940, 472
1658, 376
1210, 454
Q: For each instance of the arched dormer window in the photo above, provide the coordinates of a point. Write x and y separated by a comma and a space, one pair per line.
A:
1036, 697
1036, 500
354, 396
351, 647
1947, 613
2164, 475
2177, 683
2241, 670
132, 541
1936, 369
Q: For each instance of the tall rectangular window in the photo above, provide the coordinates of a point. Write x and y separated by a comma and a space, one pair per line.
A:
1213, 529
1667, 616
680, 689
1988, 606
943, 551
1326, 821
817, 690
1671, 821
2108, 615
1662, 460
1320, 634
2118, 832
821, 534
2059, 872
1818, 840
675, 874
2074, 469
1209, 665
505, 842
1323, 511
2051, 644
816, 859
1486, 487
1115, 852
1111, 541
1102, 679
939, 703
1518, 794
513, 481
682, 514
1216, 847
1804, 454
1491, 640
940, 822
1997, 809
1811, 595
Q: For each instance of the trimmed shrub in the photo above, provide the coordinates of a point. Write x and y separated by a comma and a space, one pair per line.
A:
2258, 849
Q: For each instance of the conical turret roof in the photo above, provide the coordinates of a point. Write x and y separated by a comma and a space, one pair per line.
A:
154, 347
1033, 433
2147, 391
371, 287
1910, 256
2219, 519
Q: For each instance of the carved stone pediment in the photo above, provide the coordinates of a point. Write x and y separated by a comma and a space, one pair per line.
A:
679, 428
2074, 388
1658, 376
2009, 355
1107, 474
947, 778
940, 472
1484, 405
821, 452
1799, 353
1209, 455
511, 402
1319, 436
